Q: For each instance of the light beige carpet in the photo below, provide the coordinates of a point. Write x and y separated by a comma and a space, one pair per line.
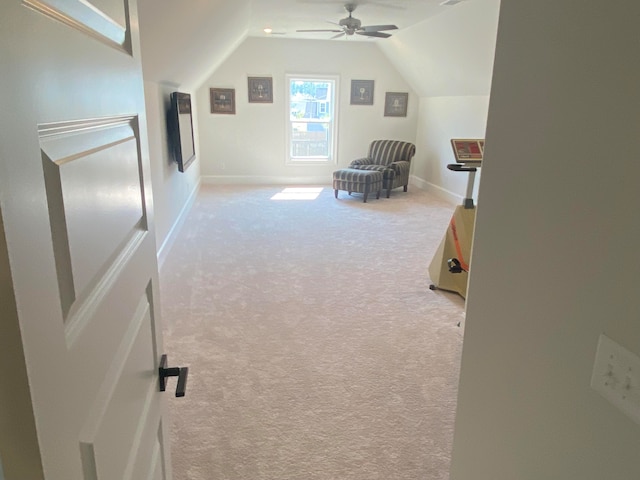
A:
316, 349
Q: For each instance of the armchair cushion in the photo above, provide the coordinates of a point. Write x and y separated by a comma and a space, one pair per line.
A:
361, 161
387, 172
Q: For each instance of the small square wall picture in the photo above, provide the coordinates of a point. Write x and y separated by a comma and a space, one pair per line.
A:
260, 90
395, 104
361, 92
223, 100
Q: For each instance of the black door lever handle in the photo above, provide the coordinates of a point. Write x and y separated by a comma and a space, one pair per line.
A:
180, 372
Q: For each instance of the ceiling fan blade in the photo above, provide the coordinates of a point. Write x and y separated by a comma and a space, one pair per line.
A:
336, 31
374, 34
377, 28
338, 35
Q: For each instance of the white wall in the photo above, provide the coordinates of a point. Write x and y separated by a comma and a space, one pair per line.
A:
173, 191
250, 147
555, 258
441, 119
448, 60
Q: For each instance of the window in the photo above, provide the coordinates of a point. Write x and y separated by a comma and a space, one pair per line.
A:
311, 119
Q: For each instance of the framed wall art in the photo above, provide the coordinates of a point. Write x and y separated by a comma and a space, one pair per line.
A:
223, 100
260, 90
361, 92
395, 104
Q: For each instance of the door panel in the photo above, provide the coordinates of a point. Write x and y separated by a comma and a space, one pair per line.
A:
75, 197
104, 20
111, 438
92, 175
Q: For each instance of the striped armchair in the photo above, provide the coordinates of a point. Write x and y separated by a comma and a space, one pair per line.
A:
392, 158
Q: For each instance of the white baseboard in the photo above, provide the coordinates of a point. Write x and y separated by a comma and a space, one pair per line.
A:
170, 239
263, 180
441, 193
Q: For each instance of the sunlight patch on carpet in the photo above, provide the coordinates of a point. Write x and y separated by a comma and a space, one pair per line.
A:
298, 193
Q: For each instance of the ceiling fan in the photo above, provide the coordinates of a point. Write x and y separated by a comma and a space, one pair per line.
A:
351, 25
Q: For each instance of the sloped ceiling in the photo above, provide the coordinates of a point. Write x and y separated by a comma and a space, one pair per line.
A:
450, 55
440, 50
183, 41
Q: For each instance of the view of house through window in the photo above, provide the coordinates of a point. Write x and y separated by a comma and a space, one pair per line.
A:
312, 119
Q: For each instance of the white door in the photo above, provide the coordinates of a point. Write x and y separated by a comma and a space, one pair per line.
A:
75, 197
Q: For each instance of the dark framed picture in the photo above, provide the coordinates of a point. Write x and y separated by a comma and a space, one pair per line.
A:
395, 104
223, 100
361, 92
260, 90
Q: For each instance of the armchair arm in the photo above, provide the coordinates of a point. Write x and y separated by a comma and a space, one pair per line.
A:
361, 161
401, 167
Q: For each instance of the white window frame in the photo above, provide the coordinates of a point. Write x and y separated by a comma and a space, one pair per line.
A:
333, 124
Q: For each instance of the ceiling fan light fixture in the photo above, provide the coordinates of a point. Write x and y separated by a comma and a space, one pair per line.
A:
267, 30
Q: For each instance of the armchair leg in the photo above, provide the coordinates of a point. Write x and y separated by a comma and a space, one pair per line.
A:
366, 194
388, 192
405, 188
335, 193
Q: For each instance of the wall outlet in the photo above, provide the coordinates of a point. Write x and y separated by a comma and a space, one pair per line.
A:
616, 376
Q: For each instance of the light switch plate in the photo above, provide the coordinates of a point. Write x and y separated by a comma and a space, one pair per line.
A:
616, 376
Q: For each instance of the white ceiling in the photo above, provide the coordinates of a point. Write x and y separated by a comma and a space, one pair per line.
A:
184, 42
287, 16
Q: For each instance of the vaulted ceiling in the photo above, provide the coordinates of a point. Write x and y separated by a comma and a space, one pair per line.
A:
184, 42
285, 17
